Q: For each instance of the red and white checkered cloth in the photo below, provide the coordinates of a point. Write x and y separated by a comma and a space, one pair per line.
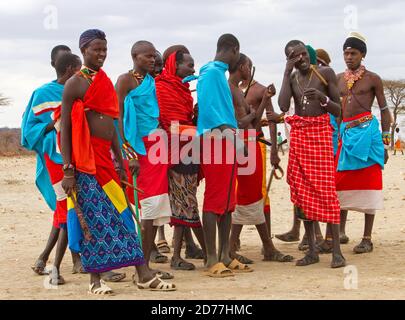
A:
311, 170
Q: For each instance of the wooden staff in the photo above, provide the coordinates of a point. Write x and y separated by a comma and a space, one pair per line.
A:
320, 77
274, 174
250, 81
82, 221
132, 186
132, 210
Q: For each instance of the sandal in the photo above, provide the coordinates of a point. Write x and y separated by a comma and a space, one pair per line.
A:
113, 276
344, 239
307, 260
195, 253
364, 247
287, 237
157, 257
161, 286
219, 270
338, 261
40, 268
163, 246
303, 246
325, 247
181, 264
102, 290
243, 259
238, 267
163, 275
279, 257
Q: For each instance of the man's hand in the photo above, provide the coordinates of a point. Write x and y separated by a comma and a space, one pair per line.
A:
271, 91
50, 126
291, 62
273, 116
274, 158
69, 183
315, 94
386, 157
134, 167
123, 175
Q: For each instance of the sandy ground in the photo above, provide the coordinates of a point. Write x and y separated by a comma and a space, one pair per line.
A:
25, 222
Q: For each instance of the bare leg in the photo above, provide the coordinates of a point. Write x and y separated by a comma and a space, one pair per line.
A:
236, 229
210, 234
338, 260
199, 233
318, 232
161, 235
224, 230
343, 218
40, 264
312, 256
77, 263
52, 240
56, 279
366, 245
269, 250
148, 237
294, 233
177, 262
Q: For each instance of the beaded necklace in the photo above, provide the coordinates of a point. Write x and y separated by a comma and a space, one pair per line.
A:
304, 100
88, 74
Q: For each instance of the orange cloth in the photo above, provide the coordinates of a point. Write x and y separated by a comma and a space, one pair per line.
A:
100, 97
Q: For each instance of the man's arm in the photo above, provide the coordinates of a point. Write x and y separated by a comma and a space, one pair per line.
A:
240, 105
284, 99
70, 94
386, 116
115, 147
334, 107
122, 88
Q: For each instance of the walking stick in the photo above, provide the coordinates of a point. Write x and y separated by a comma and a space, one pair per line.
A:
250, 81
131, 155
82, 221
274, 174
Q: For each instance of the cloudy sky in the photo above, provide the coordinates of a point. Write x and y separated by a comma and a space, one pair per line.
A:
29, 30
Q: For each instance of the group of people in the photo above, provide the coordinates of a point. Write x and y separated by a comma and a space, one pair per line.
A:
104, 152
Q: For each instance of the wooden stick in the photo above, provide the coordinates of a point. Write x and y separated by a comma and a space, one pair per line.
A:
320, 77
82, 221
250, 81
131, 209
131, 186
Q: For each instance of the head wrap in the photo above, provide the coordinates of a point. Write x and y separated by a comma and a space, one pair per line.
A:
312, 54
356, 41
323, 56
89, 35
174, 96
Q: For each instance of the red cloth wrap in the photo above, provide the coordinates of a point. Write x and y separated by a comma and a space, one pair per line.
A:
174, 97
102, 98
311, 171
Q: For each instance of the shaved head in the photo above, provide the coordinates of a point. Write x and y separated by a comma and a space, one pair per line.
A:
140, 47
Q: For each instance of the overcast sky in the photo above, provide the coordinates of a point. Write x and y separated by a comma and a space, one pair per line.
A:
30, 29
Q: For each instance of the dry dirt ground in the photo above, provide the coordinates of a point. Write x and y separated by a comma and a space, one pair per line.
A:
25, 222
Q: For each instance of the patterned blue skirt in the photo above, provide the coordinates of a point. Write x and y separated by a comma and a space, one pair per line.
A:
113, 244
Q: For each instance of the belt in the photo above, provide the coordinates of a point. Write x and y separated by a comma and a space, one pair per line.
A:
356, 123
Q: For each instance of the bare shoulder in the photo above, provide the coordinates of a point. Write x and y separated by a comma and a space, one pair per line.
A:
327, 71
374, 76
75, 85
258, 88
